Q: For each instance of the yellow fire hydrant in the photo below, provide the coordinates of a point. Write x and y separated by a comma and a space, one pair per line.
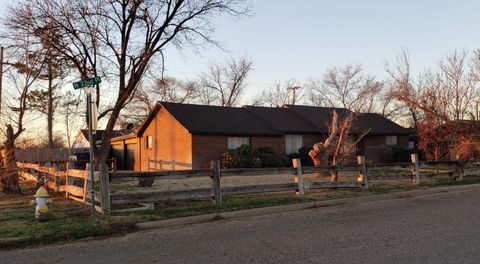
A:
41, 201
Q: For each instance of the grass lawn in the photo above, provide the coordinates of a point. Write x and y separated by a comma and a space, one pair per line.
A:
71, 220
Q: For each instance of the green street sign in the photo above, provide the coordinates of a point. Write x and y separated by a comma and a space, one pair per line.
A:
87, 82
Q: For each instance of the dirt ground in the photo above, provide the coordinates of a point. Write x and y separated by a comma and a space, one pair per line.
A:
375, 175
229, 181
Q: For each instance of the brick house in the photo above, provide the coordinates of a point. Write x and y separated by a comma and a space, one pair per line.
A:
185, 136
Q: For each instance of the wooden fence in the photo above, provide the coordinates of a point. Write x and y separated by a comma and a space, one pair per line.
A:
75, 182
217, 191
408, 170
41, 155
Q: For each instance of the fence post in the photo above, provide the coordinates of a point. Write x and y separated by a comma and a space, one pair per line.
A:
297, 164
46, 171
362, 172
217, 190
460, 169
86, 186
57, 178
66, 180
104, 188
114, 164
416, 169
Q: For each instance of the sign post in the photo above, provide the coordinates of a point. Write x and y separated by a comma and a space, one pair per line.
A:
88, 84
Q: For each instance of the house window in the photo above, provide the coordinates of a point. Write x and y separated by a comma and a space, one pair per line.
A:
391, 140
149, 142
236, 142
293, 143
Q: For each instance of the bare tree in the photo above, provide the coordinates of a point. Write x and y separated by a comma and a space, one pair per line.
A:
442, 100
167, 89
459, 83
123, 38
280, 94
346, 87
55, 71
70, 111
339, 144
26, 59
402, 83
224, 83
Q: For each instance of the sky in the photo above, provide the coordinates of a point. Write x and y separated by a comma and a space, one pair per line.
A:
301, 39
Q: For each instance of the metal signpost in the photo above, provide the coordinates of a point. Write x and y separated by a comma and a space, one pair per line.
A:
88, 84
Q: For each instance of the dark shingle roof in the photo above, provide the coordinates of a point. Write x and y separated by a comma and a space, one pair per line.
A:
201, 119
253, 120
379, 125
319, 117
282, 119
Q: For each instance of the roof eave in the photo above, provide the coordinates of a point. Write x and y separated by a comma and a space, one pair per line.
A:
139, 131
123, 137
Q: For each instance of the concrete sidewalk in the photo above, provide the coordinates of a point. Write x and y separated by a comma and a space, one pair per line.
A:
302, 206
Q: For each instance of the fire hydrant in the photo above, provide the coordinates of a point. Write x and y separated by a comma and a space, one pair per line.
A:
41, 201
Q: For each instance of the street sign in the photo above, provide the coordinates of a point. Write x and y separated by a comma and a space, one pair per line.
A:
87, 82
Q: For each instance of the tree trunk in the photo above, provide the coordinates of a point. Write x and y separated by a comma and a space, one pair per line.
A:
9, 178
334, 175
104, 150
50, 107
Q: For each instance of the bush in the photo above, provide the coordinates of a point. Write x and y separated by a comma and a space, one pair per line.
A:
264, 154
400, 154
304, 157
245, 157
242, 157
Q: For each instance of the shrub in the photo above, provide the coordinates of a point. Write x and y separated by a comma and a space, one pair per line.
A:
400, 154
265, 155
304, 157
245, 157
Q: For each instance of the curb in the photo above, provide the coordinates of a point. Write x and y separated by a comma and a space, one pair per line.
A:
301, 206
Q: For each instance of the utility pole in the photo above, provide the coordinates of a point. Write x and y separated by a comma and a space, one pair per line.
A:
294, 89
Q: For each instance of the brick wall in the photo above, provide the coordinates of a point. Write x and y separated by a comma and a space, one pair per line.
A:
376, 150
210, 147
276, 143
172, 145
206, 148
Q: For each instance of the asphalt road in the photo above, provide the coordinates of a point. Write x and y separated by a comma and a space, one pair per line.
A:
439, 228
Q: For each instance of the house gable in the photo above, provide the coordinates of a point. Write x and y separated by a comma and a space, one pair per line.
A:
165, 143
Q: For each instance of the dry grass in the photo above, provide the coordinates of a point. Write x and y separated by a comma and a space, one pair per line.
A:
167, 184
